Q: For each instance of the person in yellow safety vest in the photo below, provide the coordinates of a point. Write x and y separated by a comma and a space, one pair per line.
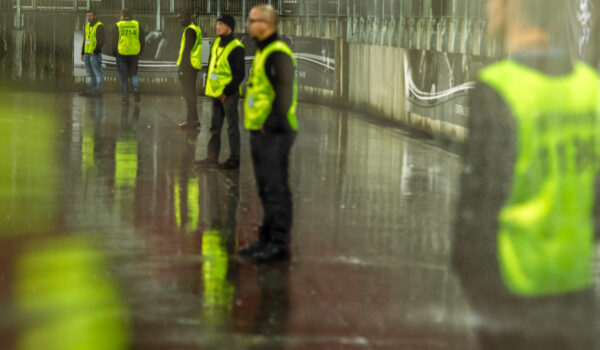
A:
127, 45
226, 71
527, 214
270, 115
189, 62
91, 55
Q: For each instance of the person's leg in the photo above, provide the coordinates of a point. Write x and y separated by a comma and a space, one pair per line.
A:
278, 198
216, 124
123, 77
133, 73
90, 73
257, 148
192, 97
98, 72
233, 128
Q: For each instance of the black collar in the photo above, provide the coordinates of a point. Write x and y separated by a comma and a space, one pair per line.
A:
262, 44
226, 40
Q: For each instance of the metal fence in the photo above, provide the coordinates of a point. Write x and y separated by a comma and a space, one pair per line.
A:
342, 8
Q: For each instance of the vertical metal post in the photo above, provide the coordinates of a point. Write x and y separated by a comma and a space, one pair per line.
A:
122, 4
158, 27
89, 3
34, 5
308, 24
244, 15
75, 5
172, 6
218, 8
280, 7
18, 23
321, 24
208, 7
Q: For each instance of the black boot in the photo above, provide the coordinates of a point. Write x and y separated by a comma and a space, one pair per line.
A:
272, 252
263, 238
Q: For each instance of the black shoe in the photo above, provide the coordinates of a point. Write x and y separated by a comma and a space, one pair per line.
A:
231, 164
207, 163
272, 252
85, 94
252, 249
187, 125
137, 97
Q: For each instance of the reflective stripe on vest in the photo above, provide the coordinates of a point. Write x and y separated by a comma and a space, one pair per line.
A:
219, 70
196, 53
545, 239
129, 38
260, 94
90, 37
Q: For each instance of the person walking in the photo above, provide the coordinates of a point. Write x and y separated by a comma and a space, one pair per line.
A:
189, 62
91, 54
127, 46
523, 245
270, 115
226, 71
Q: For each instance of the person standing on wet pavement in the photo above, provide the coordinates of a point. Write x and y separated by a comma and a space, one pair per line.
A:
127, 46
226, 71
270, 116
189, 62
526, 221
91, 54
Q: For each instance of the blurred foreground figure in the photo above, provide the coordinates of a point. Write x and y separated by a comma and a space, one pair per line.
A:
270, 115
524, 245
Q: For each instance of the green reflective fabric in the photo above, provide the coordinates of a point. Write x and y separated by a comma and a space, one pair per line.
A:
260, 94
90, 37
219, 70
129, 38
545, 239
196, 53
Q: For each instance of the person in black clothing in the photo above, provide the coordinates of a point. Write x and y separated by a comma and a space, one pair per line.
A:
272, 143
507, 320
91, 54
225, 106
127, 34
187, 72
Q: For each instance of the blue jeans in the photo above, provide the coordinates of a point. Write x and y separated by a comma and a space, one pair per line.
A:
93, 67
127, 68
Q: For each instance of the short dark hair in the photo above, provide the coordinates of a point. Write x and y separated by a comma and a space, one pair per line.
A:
93, 12
126, 13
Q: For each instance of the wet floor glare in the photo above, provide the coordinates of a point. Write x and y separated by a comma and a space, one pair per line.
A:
107, 219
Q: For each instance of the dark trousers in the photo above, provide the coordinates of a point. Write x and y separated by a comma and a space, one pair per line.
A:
187, 78
221, 111
127, 68
270, 156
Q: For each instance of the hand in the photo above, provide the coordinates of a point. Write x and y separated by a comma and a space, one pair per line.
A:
222, 98
82, 58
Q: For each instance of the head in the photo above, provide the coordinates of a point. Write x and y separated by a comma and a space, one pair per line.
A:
262, 22
184, 18
509, 19
225, 25
125, 14
90, 15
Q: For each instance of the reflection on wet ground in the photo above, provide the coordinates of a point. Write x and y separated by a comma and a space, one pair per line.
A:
136, 245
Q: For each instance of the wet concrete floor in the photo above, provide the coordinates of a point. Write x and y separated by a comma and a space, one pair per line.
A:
112, 193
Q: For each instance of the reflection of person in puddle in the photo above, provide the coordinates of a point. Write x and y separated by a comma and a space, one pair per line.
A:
271, 318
